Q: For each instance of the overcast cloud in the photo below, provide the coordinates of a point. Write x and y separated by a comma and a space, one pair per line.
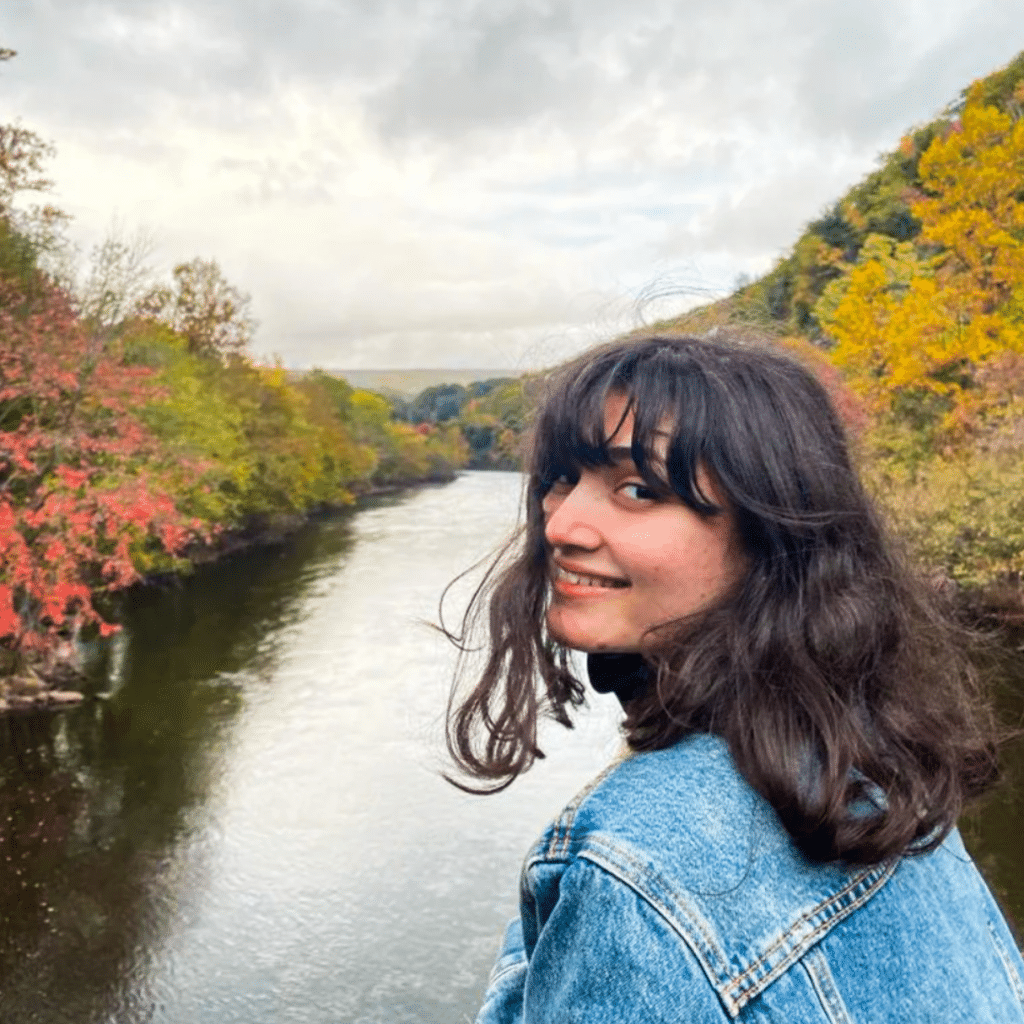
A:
477, 183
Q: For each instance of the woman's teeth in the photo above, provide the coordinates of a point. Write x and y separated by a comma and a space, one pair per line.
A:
586, 581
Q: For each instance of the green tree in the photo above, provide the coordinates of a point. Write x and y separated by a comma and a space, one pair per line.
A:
438, 403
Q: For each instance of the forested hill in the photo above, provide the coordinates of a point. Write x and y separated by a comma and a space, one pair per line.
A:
885, 205
907, 296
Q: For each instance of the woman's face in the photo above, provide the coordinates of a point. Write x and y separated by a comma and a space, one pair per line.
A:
624, 559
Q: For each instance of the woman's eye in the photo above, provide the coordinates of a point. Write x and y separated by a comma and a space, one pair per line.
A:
638, 492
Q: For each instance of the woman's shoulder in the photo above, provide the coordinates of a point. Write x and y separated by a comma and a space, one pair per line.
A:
680, 831
686, 835
688, 802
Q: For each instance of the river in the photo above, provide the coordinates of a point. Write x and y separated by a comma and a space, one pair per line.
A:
248, 824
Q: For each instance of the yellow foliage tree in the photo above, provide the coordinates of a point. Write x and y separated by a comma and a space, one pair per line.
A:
911, 331
973, 212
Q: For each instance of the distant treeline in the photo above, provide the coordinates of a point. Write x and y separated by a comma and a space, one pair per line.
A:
490, 415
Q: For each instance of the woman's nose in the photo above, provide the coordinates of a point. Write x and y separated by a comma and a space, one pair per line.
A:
570, 521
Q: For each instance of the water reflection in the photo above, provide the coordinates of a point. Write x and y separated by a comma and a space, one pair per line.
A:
97, 803
249, 826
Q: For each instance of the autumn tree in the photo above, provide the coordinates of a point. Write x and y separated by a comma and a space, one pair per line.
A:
931, 334
118, 280
82, 505
974, 214
914, 323
210, 313
22, 155
130, 427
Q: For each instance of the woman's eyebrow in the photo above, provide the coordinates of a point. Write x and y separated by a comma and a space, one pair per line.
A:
620, 453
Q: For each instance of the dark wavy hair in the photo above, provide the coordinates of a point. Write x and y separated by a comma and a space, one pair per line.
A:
839, 679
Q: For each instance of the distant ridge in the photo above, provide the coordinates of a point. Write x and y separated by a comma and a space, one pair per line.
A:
411, 382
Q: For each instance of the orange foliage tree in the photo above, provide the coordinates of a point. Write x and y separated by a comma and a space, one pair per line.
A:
931, 333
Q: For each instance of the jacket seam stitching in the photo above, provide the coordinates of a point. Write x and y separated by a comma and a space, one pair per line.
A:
1011, 971
816, 964
497, 975
737, 991
561, 837
834, 914
701, 944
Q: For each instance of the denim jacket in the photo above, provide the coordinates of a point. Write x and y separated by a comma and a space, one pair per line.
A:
668, 891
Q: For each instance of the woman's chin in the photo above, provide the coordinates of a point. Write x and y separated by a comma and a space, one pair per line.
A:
578, 637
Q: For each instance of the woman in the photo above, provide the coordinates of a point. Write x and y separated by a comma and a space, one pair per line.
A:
779, 844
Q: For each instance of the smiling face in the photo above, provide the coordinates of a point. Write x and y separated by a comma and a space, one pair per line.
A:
624, 558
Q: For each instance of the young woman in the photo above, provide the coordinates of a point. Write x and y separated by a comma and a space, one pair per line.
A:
779, 845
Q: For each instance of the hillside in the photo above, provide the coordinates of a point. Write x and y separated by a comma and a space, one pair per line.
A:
911, 288
784, 300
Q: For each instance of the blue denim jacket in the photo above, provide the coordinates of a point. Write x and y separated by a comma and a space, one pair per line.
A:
669, 891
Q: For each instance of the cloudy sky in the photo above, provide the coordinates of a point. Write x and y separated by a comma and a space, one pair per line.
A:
476, 183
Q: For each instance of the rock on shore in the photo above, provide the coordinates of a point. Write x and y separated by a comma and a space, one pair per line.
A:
26, 693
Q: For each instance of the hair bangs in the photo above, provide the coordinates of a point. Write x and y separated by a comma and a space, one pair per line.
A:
671, 424
570, 436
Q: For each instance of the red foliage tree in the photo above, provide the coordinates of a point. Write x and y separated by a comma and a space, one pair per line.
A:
80, 495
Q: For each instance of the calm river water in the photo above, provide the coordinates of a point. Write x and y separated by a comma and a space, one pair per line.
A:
249, 825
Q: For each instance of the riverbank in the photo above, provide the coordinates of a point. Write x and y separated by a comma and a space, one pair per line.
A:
29, 694
259, 531
53, 682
